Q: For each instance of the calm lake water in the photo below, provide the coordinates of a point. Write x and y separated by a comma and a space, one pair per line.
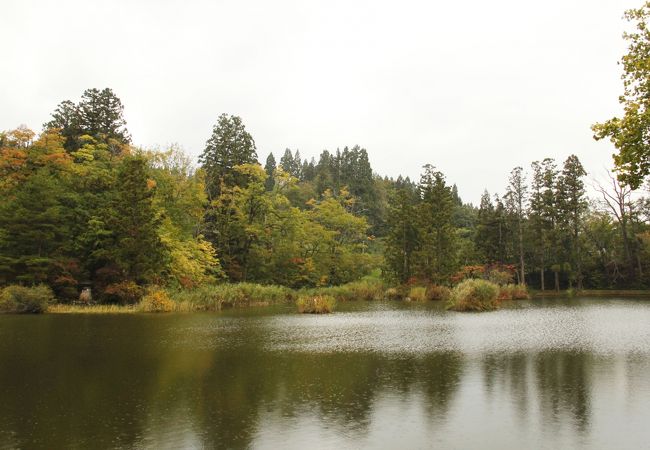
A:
539, 374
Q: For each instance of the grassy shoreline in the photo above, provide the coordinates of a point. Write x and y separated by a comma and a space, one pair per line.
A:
590, 293
224, 296
242, 295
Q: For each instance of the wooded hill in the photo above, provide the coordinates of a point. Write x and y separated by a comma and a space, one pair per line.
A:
83, 207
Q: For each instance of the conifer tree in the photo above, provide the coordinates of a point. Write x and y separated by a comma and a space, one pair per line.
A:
437, 259
229, 146
288, 163
571, 205
402, 238
516, 198
135, 245
269, 168
486, 238
99, 114
542, 214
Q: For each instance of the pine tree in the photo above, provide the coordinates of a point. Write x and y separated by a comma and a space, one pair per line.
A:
269, 168
486, 241
571, 205
402, 236
135, 245
437, 259
516, 197
99, 114
542, 215
288, 163
297, 166
35, 229
229, 146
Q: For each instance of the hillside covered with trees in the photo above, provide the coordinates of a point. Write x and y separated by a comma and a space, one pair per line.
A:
83, 207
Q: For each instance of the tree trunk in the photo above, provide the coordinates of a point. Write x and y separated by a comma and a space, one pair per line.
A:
557, 280
405, 263
522, 279
626, 245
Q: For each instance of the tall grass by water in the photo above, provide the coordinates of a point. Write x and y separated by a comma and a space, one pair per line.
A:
65, 308
513, 292
483, 295
417, 294
231, 295
220, 296
237, 295
474, 295
319, 304
368, 288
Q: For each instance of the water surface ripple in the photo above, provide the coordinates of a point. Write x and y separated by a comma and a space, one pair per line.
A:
537, 374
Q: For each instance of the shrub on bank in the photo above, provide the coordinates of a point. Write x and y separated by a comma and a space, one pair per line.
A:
26, 300
418, 294
319, 304
436, 292
155, 301
392, 294
124, 292
474, 295
513, 292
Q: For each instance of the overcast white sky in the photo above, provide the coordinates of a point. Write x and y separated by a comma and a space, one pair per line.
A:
474, 88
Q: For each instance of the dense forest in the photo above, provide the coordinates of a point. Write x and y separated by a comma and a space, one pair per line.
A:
83, 207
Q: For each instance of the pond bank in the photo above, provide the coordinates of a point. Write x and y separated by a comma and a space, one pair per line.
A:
217, 298
223, 296
590, 293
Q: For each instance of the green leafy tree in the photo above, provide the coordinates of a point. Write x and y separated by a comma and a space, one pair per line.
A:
234, 220
630, 134
345, 257
180, 195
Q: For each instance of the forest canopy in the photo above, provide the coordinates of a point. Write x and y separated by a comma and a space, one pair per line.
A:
83, 207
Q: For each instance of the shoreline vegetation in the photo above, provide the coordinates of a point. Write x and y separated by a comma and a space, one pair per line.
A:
91, 223
469, 295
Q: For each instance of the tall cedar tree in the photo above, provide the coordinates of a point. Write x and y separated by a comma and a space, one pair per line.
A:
402, 239
487, 233
269, 168
542, 213
229, 146
436, 257
136, 247
516, 198
99, 114
572, 205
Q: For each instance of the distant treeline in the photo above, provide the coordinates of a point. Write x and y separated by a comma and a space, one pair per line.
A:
82, 207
